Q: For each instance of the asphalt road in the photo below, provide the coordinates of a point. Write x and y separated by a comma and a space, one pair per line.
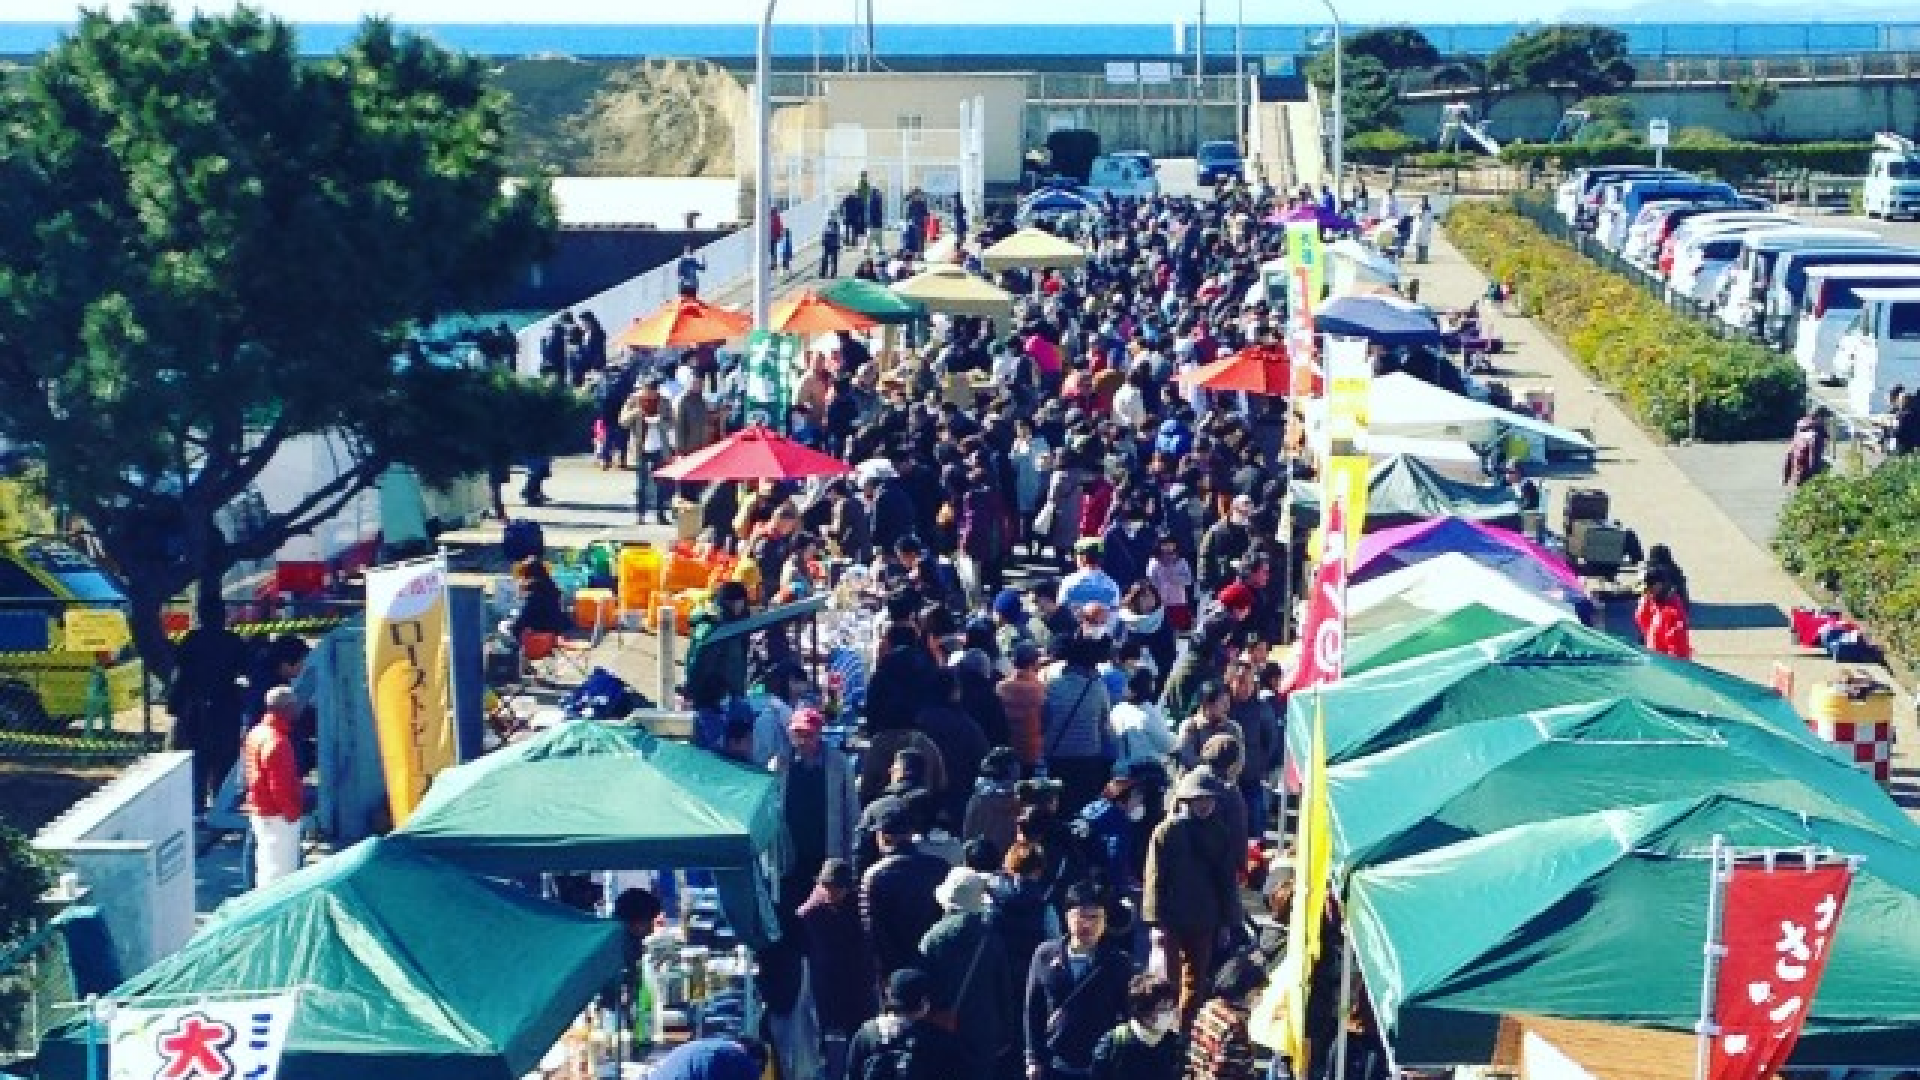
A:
1903, 232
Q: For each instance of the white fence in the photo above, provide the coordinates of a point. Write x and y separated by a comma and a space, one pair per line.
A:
728, 259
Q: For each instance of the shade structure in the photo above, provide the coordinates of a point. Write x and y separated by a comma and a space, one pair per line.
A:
1443, 584
1474, 780
1355, 265
1057, 201
591, 796
1536, 668
872, 299
1404, 405
808, 313
684, 322
1418, 637
406, 966
1383, 320
1403, 490
754, 453
1257, 369
953, 291
1602, 917
1514, 555
1035, 249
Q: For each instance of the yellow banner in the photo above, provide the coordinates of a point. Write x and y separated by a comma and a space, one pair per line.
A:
94, 630
1313, 860
1347, 477
407, 678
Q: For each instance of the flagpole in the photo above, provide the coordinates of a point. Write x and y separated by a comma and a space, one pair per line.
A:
1346, 1001
1712, 951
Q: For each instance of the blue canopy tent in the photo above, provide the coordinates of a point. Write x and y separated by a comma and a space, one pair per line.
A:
1384, 320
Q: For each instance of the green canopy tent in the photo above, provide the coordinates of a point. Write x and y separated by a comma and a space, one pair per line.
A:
1403, 489
1538, 667
590, 796
1426, 635
1469, 781
875, 301
1602, 917
405, 966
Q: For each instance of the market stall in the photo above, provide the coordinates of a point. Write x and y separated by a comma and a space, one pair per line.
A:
1445, 583
950, 290
1402, 490
404, 966
1034, 249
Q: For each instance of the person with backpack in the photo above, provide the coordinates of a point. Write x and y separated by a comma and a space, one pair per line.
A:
972, 981
1147, 1045
902, 1043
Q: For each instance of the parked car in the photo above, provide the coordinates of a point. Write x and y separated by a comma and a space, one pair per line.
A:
1882, 348
1124, 176
1828, 306
1218, 161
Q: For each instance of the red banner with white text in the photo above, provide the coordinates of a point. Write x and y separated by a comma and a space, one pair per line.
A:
1778, 930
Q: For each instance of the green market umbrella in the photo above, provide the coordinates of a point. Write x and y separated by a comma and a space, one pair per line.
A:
1540, 667
1602, 917
875, 301
1469, 781
589, 796
406, 966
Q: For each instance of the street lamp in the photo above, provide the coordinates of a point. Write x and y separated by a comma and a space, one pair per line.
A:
763, 172
1339, 102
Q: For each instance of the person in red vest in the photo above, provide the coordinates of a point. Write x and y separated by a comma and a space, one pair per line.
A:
275, 799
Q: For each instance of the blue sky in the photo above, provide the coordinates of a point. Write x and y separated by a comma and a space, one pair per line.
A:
836, 11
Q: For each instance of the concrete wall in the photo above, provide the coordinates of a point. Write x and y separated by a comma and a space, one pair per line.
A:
1161, 128
1805, 111
131, 842
881, 100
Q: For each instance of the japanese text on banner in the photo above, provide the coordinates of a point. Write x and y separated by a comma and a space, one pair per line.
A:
1778, 931
407, 678
214, 1040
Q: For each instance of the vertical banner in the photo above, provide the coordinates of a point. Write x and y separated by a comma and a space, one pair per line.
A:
763, 387
1344, 463
1323, 636
1313, 859
211, 1040
407, 669
1778, 928
1305, 253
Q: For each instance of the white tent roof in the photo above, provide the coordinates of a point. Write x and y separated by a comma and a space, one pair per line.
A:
1399, 404
1432, 451
1367, 265
1443, 583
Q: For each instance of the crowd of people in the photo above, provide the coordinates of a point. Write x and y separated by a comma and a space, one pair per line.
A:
1040, 853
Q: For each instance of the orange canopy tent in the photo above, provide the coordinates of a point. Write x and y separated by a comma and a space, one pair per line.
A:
1257, 369
684, 322
808, 313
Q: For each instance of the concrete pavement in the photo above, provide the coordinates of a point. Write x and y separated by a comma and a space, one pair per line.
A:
1713, 505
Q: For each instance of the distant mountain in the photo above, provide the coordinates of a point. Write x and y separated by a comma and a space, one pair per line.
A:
1662, 11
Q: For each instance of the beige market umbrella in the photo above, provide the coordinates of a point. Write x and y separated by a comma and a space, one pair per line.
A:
951, 290
1036, 249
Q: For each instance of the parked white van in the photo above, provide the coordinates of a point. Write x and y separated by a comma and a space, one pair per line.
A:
1828, 306
1790, 277
1892, 186
1882, 348
1743, 289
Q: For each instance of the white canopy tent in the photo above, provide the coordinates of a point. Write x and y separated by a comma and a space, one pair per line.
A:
1440, 584
1401, 405
1354, 264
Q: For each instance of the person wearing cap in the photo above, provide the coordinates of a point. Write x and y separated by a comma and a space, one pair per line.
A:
902, 1043
839, 962
896, 893
1191, 893
816, 793
1076, 990
1091, 584
972, 982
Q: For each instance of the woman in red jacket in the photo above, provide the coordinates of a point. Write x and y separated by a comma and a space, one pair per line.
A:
1662, 618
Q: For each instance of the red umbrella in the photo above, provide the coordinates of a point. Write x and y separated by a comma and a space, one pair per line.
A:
753, 454
1257, 369
685, 322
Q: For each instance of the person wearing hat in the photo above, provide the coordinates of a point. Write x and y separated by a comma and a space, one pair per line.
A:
902, 1043
897, 900
1191, 893
994, 807
839, 961
1091, 584
815, 788
1076, 990
967, 962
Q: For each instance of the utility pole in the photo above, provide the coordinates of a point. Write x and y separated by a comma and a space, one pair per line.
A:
1199, 75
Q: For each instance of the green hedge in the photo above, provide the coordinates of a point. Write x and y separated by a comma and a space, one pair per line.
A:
1734, 162
1663, 364
1852, 534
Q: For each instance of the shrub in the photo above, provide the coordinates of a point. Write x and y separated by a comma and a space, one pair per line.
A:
1382, 147
1736, 162
1443, 159
1852, 535
1674, 376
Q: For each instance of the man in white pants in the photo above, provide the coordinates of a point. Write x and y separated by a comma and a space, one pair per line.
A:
275, 799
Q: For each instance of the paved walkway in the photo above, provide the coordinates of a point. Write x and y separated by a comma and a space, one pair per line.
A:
1713, 505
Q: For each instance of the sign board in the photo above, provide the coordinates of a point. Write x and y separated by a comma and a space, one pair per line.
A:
1156, 73
214, 1040
1282, 67
94, 630
1657, 131
1122, 72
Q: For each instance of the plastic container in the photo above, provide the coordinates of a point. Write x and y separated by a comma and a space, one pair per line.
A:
639, 575
593, 609
683, 572
1857, 718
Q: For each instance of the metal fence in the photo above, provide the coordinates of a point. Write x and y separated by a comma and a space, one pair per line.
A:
36, 989
1720, 69
1050, 86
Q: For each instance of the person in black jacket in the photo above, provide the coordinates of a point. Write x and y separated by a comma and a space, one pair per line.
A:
962, 745
891, 510
1147, 1046
897, 894
1076, 991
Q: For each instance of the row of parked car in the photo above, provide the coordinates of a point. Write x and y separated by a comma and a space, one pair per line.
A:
1844, 302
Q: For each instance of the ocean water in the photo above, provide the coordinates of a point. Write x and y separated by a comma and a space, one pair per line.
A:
733, 41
